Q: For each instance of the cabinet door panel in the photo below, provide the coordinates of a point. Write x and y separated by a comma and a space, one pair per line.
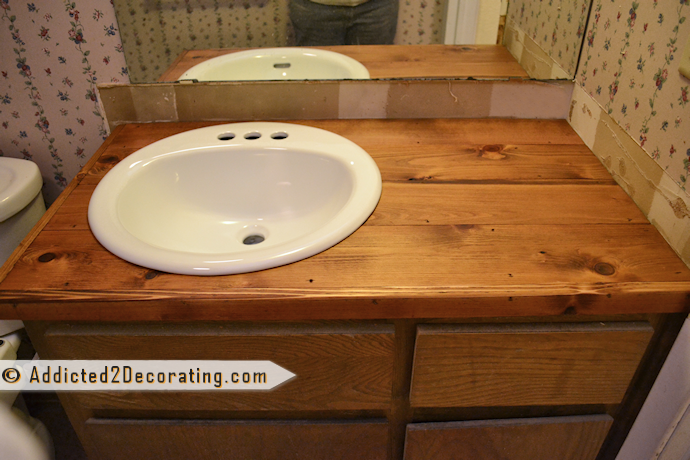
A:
337, 368
525, 365
562, 438
125, 439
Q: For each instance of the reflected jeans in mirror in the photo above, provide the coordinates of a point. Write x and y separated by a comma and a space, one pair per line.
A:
371, 23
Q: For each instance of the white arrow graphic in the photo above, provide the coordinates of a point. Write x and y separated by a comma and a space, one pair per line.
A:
141, 375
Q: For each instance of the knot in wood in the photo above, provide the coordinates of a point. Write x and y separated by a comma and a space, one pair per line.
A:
604, 269
493, 152
47, 257
151, 274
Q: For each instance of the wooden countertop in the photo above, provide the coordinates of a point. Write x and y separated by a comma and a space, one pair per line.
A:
477, 218
397, 61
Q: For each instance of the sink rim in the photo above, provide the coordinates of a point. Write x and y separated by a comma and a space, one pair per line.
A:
109, 230
356, 69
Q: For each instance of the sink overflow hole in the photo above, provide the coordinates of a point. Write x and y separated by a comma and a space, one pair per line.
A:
278, 136
253, 239
226, 136
285, 65
252, 136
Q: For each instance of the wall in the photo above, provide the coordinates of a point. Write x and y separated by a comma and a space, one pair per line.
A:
161, 30
487, 21
546, 36
346, 99
662, 430
630, 68
52, 56
630, 105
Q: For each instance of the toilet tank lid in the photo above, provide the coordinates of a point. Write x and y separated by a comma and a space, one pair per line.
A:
20, 183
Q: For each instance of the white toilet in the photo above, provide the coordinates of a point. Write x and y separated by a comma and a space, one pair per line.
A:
21, 206
21, 202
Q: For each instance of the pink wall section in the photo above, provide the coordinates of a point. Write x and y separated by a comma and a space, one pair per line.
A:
52, 56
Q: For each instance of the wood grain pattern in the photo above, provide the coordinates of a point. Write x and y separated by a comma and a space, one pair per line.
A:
526, 365
515, 150
336, 369
562, 438
7, 267
457, 204
459, 259
116, 439
477, 217
396, 61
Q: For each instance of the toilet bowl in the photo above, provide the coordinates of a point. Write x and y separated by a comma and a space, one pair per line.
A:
21, 206
21, 436
21, 202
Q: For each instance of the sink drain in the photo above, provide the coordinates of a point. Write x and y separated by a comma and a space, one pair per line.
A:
253, 239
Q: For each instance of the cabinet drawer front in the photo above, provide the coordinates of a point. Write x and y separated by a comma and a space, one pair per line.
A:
525, 365
336, 368
562, 438
126, 439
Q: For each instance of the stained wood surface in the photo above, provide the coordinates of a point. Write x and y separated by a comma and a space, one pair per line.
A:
397, 61
117, 439
477, 218
562, 438
525, 365
336, 368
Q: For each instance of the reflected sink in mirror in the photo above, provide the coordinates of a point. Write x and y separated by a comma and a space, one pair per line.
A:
234, 198
278, 64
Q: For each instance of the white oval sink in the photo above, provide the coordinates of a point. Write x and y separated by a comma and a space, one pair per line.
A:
278, 64
234, 198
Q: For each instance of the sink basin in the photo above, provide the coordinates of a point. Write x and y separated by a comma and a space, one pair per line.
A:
234, 198
278, 64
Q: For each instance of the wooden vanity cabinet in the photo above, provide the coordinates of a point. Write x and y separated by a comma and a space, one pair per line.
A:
350, 399
520, 365
525, 365
341, 392
337, 367
486, 222
117, 439
562, 438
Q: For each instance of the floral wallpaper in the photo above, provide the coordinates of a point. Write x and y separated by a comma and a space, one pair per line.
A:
420, 22
53, 55
556, 25
155, 32
630, 67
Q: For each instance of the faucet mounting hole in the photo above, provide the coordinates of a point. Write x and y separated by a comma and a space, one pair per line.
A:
253, 239
226, 136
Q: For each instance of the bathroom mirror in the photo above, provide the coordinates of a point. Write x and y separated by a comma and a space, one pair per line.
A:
155, 33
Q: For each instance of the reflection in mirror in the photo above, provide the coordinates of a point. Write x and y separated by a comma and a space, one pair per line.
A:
156, 33
287, 63
538, 32
343, 22
390, 61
